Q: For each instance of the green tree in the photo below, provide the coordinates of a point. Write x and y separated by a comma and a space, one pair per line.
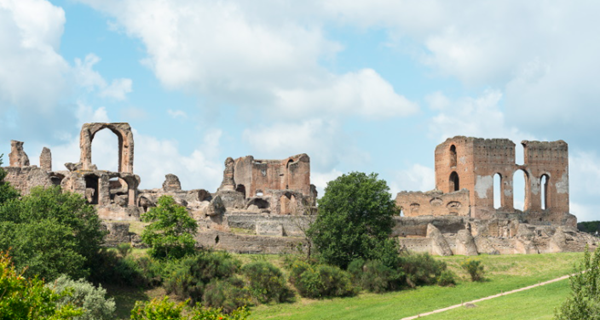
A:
584, 301
28, 298
51, 232
355, 221
171, 231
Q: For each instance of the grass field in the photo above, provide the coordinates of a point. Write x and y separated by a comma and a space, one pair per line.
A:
504, 273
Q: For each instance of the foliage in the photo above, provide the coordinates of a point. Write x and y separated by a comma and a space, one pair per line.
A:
354, 220
114, 269
163, 309
447, 278
422, 269
267, 282
189, 276
85, 296
321, 281
51, 232
375, 276
171, 231
474, 268
124, 249
589, 226
228, 294
7, 192
28, 298
584, 301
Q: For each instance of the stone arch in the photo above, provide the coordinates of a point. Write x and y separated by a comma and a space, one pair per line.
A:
123, 132
454, 183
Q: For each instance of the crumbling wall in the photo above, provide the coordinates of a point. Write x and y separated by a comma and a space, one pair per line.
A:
433, 203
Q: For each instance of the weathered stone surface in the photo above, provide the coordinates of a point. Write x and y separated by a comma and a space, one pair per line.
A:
17, 156
269, 228
247, 243
216, 207
228, 183
465, 244
46, 159
171, 183
439, 246
118, 232
433, 203
484, 245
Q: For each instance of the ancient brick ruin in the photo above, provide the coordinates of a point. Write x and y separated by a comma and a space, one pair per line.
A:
264, 206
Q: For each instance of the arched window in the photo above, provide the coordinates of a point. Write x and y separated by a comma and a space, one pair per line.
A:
105, 150
520, 190
497, 191
454, 183
544, 186
453, 156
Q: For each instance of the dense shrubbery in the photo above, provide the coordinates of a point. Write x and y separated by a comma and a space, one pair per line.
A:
320, 281
28, 298
474, 268
85, 296
375, 276
584, 300
163, 309
267, 283
422, 269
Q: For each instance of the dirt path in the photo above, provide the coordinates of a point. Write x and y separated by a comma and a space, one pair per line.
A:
486, 298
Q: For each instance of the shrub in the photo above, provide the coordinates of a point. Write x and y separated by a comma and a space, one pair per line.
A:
124, 249
111, 268
84, 295
28, 298
582, 302
421, 269
267, 282
474, 268
320, 281
165, 310
228, 294
375, 276
188, 277
446, 278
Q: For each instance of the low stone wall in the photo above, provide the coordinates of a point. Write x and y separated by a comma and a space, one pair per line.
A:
290, 225
417, 226
247, 243
434, 203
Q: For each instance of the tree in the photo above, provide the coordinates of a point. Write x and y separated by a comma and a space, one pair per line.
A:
171, 230
23, 298
354, 220
51, 232
584, 302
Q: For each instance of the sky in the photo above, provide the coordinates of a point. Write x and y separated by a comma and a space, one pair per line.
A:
369, 86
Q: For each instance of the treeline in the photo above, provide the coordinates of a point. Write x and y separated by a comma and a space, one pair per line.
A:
52, 244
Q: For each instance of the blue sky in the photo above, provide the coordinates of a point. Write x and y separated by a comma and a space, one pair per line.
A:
359, 85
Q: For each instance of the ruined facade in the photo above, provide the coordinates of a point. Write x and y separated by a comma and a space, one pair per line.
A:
264, 206
466, 163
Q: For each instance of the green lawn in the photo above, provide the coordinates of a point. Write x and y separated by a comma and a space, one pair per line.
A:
504, 273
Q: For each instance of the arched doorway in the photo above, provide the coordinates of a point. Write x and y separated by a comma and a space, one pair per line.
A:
544, 186
454, 182
497, 191
521, 190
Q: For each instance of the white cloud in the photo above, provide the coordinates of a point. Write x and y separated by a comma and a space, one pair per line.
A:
175, 114
88, 78
245, 54
323, 140
320, 180
478, 117
416, 178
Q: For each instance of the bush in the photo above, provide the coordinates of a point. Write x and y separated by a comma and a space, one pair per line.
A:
111, 268
375, 276
267, 282
166, 310
28, 298
228, 294
421, 269
446, 278
124, 249
171, 231
583, 302
474, 268
51, 232
188, 277
320, 281
84, 295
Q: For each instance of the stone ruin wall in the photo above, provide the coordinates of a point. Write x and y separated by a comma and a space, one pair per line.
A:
269, 200
433, 203
466, 163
